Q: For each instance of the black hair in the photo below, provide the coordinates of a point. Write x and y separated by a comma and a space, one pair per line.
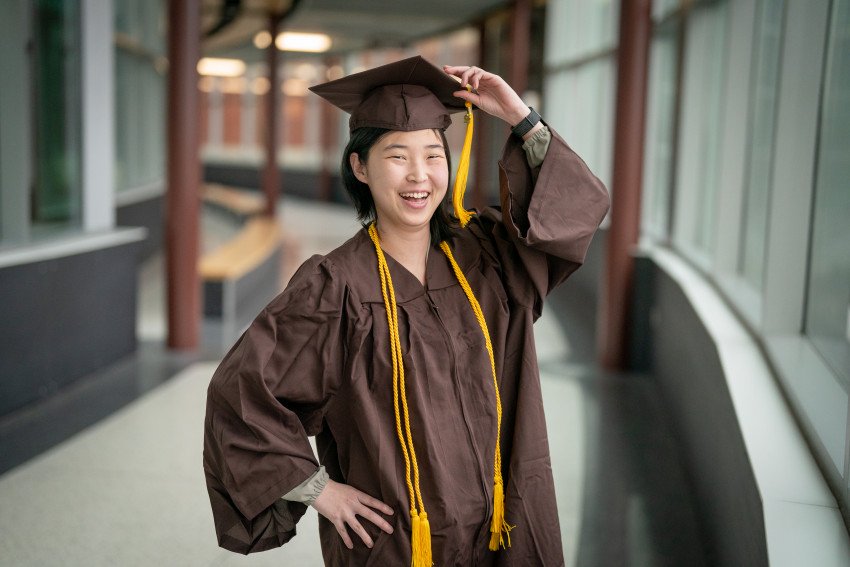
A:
361, 141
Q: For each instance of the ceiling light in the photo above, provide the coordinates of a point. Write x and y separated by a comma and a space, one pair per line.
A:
294, 87
214, 67
335, 72
304, 42
306, 72
260, 86
262, 39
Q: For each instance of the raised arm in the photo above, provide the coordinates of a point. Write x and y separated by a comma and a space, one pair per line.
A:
551, 203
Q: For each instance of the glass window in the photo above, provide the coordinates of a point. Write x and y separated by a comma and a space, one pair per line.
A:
56, 188
827, 321
699, 131
763, 100
658, 158
663, 8
583, 27
139, 93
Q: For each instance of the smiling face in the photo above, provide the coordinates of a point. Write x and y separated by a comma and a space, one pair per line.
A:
407, 174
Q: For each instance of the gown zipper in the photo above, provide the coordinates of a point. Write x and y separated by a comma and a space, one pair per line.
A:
455, 374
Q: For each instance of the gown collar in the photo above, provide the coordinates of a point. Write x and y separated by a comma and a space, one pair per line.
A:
438, 272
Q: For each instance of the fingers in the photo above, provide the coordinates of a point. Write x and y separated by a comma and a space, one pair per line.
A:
342, 504
374, 503
369, 514
474, 98
468, 75
343, 533
352, 522
361, 531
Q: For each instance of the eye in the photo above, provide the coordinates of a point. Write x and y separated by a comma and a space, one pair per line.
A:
435, 156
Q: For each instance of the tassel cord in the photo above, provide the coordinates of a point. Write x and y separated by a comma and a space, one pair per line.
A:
463, 169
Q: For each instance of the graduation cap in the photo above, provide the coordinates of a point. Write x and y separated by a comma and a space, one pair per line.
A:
411, 94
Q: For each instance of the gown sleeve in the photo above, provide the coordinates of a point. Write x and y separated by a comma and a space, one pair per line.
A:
265, 398
548, 216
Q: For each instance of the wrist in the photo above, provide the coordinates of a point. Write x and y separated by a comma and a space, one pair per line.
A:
533, 131
517, 115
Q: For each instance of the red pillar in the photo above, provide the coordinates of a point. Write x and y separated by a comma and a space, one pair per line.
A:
327, 139
183, 176
520, 38
632, 66
479, 143
271, 173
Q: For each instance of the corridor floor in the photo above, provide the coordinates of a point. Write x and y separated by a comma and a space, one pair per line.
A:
129, 490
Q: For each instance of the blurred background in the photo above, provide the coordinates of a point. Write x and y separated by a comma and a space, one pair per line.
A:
164, 170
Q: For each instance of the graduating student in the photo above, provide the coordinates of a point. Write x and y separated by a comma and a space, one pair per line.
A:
408, 351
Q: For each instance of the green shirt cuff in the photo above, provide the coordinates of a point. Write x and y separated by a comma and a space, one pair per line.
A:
535, 147
309, 490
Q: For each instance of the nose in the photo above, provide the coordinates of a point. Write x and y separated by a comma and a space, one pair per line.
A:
417, 172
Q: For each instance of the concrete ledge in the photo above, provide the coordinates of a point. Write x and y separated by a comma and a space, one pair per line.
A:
68, 245
801, 520
69, 309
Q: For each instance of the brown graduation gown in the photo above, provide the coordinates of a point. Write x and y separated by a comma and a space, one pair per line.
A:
316, 361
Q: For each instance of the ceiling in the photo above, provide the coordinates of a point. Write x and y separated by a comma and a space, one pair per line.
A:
352, 25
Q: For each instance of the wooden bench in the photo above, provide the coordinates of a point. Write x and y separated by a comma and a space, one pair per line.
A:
240, 203
241, 277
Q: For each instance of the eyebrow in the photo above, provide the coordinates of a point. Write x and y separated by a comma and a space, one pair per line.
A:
403, 147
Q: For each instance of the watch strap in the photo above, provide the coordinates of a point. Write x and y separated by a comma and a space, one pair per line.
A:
526, 124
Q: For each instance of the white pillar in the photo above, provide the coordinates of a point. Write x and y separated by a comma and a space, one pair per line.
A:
248, 116
15, 133
215, 117
98, 115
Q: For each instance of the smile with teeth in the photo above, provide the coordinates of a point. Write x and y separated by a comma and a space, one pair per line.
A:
414, 195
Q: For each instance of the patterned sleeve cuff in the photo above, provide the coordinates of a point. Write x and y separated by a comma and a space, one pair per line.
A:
536, 146
309, 490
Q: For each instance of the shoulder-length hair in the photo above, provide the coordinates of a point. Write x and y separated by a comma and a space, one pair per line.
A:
443, 222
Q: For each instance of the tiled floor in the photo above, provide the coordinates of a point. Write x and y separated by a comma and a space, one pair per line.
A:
130, 490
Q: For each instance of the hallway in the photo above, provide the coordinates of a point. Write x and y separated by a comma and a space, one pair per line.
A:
130, 491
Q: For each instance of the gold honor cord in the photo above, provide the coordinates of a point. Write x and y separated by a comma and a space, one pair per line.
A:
420, 527
499, 528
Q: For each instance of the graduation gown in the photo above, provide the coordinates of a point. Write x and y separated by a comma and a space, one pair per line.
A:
316, 362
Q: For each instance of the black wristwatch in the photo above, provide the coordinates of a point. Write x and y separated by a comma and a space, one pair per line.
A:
527, 123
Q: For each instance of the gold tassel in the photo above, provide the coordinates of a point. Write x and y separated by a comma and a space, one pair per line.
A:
415, 540
420, 540
463, 169
425, 559
499, 528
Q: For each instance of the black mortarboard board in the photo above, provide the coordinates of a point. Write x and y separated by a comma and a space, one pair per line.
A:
411, 94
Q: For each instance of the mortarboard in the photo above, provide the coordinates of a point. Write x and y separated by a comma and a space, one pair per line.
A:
411, 94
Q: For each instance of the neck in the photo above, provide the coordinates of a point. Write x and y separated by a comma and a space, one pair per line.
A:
408, 247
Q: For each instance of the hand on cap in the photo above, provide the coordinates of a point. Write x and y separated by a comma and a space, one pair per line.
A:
490, 93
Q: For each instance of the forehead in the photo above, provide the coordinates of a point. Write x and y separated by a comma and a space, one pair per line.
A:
414, 138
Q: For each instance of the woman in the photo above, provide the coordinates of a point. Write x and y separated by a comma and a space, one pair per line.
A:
408, 351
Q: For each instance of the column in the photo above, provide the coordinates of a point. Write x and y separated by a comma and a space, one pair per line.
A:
183, 176
632, 67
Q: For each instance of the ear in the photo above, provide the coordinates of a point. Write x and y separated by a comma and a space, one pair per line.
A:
359, 168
